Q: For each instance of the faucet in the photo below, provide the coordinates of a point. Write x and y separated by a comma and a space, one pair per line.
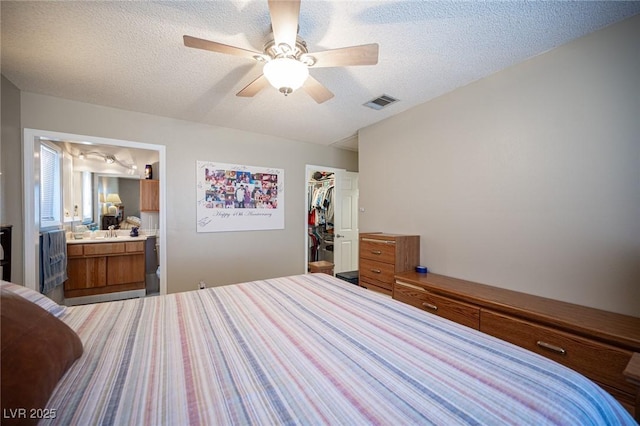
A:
111, 232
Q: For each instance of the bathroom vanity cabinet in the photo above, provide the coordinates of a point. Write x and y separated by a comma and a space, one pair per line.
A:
111, 266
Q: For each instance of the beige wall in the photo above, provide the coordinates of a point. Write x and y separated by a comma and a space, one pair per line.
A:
528, 179
11, 167
216, 258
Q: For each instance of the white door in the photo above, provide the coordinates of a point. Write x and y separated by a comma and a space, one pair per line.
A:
345, 240
345, 220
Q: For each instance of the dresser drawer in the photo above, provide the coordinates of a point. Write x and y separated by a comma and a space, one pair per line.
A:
459, 312
380, 287
378, 250
377, 272
598, 361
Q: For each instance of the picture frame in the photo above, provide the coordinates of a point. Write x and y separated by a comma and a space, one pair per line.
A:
236, 197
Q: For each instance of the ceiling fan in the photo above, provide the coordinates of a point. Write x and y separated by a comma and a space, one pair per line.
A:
287, 60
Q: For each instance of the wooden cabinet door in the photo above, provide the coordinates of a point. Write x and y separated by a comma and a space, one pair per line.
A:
149, 195
125, 269
90, 272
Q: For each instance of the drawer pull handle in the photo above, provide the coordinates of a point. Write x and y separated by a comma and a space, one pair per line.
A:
551, 347
376, 252
373, 240
430, 306
376, 271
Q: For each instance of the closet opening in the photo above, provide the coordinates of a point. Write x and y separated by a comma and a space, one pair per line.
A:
331, 225
320, 221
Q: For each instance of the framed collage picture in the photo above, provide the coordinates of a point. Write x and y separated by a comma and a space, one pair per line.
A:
234, 197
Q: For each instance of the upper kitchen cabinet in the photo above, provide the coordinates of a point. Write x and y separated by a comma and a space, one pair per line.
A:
149, 195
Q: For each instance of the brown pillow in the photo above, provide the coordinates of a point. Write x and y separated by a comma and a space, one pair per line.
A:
37, 349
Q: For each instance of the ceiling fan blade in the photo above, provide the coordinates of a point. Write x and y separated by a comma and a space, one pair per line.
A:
198, 43
366, 54
254, 87
284, 21
316, 90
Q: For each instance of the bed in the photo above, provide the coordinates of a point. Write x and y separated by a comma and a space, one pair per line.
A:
306, 349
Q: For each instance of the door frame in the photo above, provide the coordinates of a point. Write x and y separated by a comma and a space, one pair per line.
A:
31, 198
310, 168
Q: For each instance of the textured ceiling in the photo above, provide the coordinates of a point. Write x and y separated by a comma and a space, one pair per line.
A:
130, 55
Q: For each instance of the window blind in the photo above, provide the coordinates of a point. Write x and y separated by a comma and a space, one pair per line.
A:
49, 186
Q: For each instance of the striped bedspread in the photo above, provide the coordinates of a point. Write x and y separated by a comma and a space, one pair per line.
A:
308, 349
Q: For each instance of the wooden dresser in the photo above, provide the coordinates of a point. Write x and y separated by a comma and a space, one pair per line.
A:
384, 255
596, 343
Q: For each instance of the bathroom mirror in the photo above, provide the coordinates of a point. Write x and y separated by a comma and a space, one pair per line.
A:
117, 196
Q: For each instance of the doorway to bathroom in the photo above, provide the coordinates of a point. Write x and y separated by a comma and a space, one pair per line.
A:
31, 146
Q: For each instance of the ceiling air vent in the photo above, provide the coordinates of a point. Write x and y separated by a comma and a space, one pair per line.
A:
380, 102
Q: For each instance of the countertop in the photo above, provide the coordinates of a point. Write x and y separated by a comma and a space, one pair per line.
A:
101, 239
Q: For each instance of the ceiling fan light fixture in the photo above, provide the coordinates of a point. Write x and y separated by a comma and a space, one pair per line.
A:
261, 58
286, 74
287, 56
308, 60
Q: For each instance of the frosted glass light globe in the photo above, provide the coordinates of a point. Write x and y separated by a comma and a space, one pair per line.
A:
286, 74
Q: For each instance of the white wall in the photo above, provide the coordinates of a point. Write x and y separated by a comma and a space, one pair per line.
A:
216, 258
11, 168
528, 179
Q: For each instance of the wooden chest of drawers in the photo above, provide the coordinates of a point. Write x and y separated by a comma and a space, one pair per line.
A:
596, 343
384, 255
